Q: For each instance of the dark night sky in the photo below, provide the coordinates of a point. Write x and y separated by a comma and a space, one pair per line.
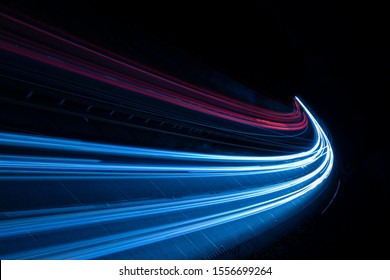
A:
333, 54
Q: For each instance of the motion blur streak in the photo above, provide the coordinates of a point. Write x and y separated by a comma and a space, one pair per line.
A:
68, 198
251, 201
72, 57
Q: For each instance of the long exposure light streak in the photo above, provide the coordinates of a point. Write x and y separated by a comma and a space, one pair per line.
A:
68, 198
270, 196
215, 106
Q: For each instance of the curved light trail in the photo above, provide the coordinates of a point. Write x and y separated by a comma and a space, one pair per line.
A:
146, 83
65, 198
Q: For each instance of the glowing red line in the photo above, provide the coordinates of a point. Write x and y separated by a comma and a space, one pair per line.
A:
153, 85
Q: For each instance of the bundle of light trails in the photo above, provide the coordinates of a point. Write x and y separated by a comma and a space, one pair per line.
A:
193, 174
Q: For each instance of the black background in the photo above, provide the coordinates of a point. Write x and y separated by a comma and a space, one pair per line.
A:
334, 55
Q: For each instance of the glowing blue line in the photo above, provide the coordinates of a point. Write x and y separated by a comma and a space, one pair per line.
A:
49, 143
318, 160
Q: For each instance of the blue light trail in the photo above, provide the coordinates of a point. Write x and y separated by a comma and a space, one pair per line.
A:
70, 196
308, 171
